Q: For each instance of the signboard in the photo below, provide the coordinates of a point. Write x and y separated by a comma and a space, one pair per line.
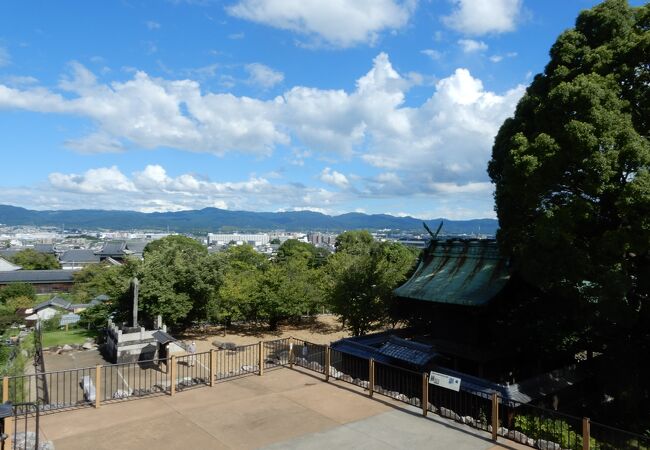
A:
444, 381
69, 319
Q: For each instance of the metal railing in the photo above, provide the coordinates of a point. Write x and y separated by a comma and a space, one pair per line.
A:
605, 437
309, 355
128, 381
22, 432
524, 423
237, 362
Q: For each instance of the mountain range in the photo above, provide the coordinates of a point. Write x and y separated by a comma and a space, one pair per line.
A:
214, 219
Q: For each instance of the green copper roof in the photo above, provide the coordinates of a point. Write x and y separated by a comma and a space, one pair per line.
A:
468, 273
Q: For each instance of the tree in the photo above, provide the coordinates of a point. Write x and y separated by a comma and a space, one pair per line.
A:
178, 281
572, 175
363, 274
17, 290
176, 241
30, 259
294, 249
16, 303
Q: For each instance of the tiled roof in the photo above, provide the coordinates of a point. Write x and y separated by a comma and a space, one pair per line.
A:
113, 248
468, 272
37, 276
79, 256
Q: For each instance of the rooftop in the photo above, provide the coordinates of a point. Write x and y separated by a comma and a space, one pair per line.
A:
282, 409
37, 276
459, 272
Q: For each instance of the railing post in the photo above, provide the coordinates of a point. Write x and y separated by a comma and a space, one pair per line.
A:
425, 393
495, 415
327, 363
213, 366
586, 433
9, 421
371, 376
172, 375
261, 347
98, 385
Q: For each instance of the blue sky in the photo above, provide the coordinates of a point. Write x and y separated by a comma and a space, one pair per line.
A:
378, 106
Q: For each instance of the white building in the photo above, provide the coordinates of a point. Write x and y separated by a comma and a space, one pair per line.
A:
238, 238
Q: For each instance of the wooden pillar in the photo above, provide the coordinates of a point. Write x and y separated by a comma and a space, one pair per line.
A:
98, 385
425, 393
586, 433
371, 376
495, 415
327, 363
9, 421
261, 347
172, 375
213, 367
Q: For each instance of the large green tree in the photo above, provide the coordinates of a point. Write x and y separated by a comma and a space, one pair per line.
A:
178, 280
572, 175
362, 275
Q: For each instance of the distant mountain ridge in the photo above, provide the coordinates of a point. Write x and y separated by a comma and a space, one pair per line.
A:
214, 219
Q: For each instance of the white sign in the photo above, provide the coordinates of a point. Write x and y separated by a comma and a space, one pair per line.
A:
444, 381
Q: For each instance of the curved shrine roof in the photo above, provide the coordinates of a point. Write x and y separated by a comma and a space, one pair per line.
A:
458, 272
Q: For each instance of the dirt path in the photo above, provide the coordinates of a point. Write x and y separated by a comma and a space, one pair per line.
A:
321, 329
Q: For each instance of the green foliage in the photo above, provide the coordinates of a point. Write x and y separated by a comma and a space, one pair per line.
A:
554, 430
30, 259
572, 175
178, 280
15, 303
17, 290
362, 276
174, 241
96, 317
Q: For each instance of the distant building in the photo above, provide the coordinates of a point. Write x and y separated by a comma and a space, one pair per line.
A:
238, 238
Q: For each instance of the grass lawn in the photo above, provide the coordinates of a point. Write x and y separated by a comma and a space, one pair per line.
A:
62, 337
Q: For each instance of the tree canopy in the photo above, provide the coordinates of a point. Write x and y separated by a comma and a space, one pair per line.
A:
30, 259
362, 276
572, 175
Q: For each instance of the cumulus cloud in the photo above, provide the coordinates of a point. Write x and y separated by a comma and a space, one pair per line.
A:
424, 148
478, 17
263, 76
342, 23
471, 46
153, 189
334, 178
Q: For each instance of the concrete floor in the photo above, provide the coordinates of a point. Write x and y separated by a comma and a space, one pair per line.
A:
282, 409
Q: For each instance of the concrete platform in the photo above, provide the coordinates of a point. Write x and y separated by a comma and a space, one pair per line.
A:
282, 409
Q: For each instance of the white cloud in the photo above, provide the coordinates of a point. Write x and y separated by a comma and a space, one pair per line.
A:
93, 181
334, 178
446, 139
471, 46
263, 76
499, 58
5, 58
433, 54
153, 189
342, 23
478, 17
152, 25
